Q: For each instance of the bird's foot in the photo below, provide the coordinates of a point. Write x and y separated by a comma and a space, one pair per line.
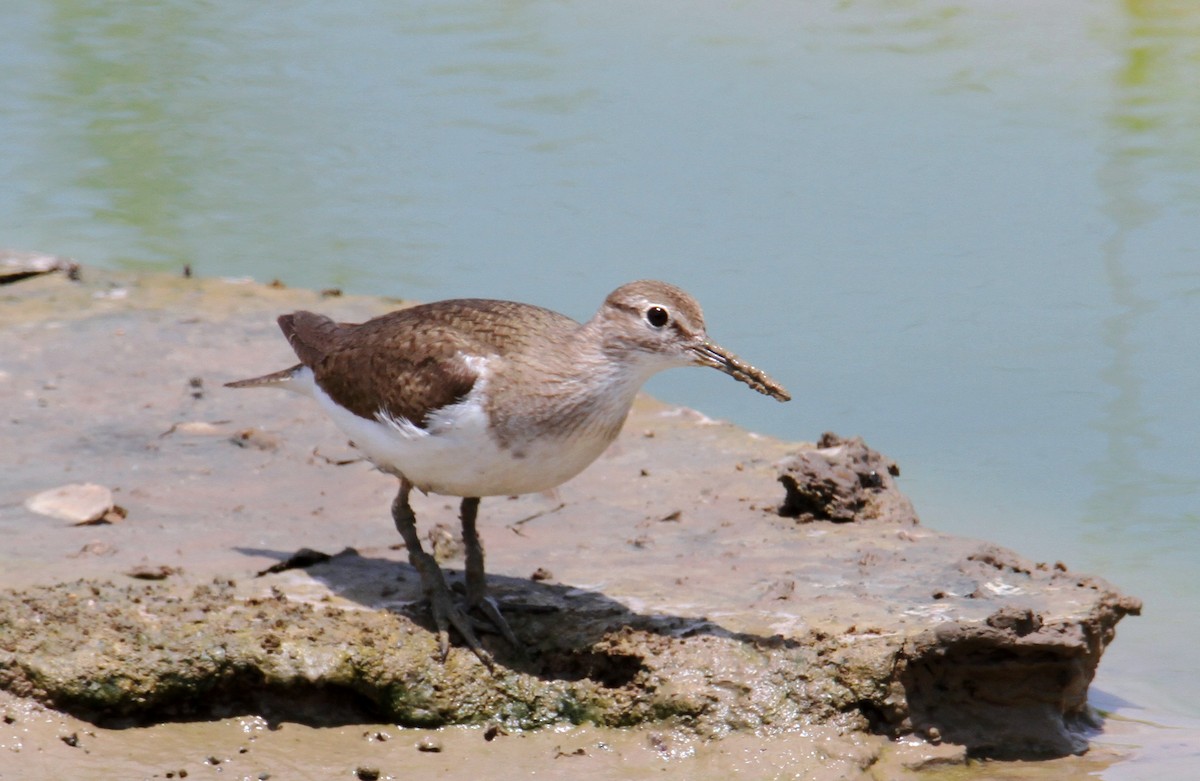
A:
495, 619
448, 613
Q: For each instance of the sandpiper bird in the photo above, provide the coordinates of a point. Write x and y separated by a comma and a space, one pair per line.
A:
476, 398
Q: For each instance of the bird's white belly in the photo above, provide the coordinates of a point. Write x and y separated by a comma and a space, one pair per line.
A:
458, 456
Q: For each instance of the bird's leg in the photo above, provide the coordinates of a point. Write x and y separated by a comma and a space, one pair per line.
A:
476, 583
445, 612
476, 580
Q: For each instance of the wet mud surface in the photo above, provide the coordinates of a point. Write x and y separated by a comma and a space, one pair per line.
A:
699, 592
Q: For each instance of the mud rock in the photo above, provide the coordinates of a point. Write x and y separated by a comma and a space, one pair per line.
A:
842, 480
727, 619
1002, 682
16, 266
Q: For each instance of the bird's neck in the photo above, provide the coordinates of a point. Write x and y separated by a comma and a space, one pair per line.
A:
584, 389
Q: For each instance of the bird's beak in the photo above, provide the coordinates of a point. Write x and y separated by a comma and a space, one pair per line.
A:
709, 354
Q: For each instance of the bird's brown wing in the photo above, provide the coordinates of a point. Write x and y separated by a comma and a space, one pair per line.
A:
411, 362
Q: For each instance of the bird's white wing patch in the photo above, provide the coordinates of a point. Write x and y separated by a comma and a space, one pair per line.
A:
401, 425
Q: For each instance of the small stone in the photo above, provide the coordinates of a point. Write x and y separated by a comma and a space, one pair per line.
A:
78, 502
256, 438
429, 744
198, 428
367, 774
149, 572
559, 753
94, 548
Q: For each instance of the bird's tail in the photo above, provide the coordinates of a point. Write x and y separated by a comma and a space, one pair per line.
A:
279, 379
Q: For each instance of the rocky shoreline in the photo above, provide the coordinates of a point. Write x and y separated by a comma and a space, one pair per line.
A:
697, 578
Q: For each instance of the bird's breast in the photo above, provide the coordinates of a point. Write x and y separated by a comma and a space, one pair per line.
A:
467, 450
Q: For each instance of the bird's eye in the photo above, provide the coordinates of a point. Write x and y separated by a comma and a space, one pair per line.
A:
657, 316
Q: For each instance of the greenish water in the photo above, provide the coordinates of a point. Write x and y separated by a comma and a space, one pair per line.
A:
968, 231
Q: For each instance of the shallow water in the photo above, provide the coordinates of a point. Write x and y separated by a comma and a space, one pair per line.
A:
965, 231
